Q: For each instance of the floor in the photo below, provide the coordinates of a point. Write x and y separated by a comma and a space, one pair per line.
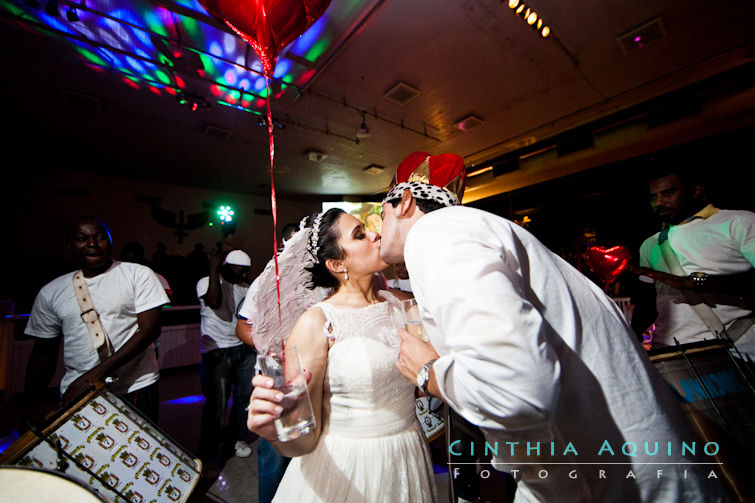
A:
180, 412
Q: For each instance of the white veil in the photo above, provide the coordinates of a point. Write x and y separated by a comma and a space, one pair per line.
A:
270, 331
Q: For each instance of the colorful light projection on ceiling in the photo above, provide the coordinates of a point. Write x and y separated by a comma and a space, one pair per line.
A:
175, 48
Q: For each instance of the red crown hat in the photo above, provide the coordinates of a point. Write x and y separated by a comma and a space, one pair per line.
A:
445, 171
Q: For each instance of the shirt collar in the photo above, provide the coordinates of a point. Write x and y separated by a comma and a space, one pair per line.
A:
704, 213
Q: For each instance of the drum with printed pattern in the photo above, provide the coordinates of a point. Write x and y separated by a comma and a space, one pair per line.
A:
110, 447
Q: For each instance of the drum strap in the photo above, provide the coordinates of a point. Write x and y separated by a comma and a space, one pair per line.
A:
703, 310
90, 317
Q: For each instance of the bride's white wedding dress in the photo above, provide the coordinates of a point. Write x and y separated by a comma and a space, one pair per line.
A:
371, 449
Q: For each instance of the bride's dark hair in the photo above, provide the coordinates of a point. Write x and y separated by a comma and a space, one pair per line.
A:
327, 248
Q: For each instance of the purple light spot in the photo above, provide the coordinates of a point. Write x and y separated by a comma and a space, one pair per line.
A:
637, 38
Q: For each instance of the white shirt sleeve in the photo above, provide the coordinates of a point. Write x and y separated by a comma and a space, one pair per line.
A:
148, 292
743, 234
43, 321
496, 368
248, 307
202, 286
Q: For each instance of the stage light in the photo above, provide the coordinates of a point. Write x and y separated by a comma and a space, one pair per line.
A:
513, 4
225, 214
545, 32
364, 129
532, 18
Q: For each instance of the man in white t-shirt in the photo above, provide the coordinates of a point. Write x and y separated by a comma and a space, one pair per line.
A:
715, 251
128, 298
227, 363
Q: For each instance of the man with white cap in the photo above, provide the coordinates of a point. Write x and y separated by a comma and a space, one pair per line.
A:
227, 362
533, 353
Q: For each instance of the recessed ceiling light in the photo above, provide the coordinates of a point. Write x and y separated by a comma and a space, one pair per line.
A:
468, 123
402, 93
373, 169
315, 156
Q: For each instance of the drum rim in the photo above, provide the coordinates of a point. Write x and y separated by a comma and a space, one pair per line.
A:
63, 475
688, 348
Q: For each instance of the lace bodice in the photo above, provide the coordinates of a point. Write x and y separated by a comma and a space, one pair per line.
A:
365, 395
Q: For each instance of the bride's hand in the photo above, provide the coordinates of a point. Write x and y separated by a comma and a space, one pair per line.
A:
264, 406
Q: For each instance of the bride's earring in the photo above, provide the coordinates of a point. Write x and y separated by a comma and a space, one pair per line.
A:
345, 274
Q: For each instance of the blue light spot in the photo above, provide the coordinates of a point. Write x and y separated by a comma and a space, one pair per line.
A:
245, 84
308, 38
230, 43
5, 442
215, 48
259, 84
186, 400
135, 64
282, 68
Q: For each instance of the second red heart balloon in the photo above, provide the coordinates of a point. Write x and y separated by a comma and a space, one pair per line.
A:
607, 264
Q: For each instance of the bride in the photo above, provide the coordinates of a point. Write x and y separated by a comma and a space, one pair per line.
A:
367, 445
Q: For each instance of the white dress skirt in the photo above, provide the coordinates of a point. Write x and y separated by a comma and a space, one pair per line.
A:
371, 448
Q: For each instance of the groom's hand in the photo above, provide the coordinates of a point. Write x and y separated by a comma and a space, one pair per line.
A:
414, 353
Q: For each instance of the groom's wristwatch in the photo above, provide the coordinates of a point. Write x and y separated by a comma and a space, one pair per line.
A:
423, 376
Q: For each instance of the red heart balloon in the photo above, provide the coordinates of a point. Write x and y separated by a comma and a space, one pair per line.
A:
607, 264
267, 25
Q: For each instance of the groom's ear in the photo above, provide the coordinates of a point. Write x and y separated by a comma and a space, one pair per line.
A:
407, 204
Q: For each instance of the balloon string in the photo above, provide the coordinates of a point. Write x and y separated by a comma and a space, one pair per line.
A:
273, 201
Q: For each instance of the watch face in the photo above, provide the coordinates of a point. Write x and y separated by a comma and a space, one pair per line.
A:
421, 377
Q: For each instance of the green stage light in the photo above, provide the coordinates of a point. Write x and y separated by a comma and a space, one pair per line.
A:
225, 214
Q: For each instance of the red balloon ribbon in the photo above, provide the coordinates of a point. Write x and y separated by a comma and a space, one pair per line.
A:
268, 26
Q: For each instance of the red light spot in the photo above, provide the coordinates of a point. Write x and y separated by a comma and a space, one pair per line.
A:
131, 83
180, 82
261, 103
231, 100
306, 76
155, 90
245, 103
215, 89
176, 54
194, 107
170, 90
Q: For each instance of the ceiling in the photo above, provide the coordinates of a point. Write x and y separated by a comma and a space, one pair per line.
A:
102, 94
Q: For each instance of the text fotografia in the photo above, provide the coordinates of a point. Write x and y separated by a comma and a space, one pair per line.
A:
575, 474
539, 449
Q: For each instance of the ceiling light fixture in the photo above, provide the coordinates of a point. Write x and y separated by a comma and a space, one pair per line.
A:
192, 101
373, 169
315, 155
364, 130
530, 17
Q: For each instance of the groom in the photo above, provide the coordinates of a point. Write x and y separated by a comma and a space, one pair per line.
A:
533, 353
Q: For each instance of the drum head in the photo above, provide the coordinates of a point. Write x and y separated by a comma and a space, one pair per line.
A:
20, 483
